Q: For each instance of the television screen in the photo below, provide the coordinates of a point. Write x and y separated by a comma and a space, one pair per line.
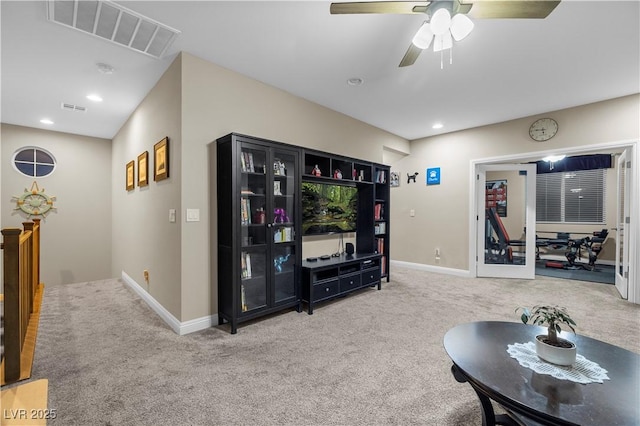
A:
328, 208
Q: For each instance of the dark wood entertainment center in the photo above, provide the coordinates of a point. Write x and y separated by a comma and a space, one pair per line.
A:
259, 224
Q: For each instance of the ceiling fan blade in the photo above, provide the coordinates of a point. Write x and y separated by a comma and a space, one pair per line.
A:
379, 7
506, 9
410, 57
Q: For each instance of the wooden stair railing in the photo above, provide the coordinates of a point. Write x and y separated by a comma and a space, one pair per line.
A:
22, 299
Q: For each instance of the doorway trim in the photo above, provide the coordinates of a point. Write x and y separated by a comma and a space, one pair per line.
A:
634, 231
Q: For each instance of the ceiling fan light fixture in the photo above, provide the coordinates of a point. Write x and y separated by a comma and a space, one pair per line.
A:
442, 42
461, 26
440, 21
424, 36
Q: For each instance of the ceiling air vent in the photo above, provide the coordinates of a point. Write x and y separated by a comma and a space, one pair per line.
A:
114, 23
72, 107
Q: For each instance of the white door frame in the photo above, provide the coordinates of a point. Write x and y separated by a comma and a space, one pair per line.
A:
622, 237
634, 207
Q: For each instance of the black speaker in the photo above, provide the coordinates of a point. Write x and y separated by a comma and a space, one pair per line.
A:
349, 249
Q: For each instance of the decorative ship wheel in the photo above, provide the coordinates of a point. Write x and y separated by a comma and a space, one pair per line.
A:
34, 202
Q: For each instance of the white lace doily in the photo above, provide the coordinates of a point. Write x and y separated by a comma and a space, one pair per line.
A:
583, 371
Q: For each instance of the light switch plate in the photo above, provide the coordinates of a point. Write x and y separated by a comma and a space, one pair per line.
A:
193, 215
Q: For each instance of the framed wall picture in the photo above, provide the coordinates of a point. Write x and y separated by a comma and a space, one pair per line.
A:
161, 160
143, 169
131, 165
394, 180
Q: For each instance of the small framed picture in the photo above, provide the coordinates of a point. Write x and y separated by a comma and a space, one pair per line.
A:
161, 160
276, 188
394, 179
131, 165
143, 169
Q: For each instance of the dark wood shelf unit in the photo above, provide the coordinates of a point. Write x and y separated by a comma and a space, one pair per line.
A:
258, 222
338, 276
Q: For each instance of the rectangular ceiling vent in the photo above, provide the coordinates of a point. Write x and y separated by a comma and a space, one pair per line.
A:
114, 23
72, 107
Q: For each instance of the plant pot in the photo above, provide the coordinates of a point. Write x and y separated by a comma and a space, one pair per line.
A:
556, 354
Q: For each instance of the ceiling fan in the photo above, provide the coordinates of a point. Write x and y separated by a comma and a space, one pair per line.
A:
447, 19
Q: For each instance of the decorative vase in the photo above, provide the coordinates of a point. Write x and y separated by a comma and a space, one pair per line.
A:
560, 355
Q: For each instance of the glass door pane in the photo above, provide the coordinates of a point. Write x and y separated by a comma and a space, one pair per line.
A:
506, 221
283, 225
253, 253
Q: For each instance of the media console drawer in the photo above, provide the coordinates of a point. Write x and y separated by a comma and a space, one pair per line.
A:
326, 279
350, 282
325, 289
371, 276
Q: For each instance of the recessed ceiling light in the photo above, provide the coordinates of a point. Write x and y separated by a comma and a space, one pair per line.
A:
105, 68
437, 126
94, 98
46, 121
355, 81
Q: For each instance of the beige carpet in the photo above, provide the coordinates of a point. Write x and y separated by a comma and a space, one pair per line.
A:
373, 358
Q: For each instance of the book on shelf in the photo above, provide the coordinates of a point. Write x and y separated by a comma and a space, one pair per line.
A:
283, 235
381, 176
380, 228
380, 245
378, 211
243, 163
251, 167
383, 266
245, 211
246, 162
243, 299
245, 264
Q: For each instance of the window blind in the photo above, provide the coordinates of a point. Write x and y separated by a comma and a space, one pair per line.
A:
571, 197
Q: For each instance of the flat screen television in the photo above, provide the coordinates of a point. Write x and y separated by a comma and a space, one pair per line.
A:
328, 208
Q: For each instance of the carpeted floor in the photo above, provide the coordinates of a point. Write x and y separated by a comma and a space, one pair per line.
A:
373, 358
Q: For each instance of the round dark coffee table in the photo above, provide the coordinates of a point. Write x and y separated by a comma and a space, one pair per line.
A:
479, 354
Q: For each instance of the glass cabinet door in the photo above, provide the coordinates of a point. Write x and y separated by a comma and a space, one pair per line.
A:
283, 224
253, 228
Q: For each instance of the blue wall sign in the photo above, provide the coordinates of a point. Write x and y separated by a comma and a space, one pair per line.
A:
433, 176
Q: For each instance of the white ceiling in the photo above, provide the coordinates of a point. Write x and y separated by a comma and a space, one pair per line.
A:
585, 51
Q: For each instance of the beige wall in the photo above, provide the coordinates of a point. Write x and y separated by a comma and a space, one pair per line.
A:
442, 211
142, 236
76, 237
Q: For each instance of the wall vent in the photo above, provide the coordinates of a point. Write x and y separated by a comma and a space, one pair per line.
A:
114, 23
72, 107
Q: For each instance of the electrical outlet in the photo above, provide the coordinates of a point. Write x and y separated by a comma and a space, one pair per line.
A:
145, 273
437, 254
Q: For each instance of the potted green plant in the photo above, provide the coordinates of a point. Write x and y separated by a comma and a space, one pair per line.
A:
550, 347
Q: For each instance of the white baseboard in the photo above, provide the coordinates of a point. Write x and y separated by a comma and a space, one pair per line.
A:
431, 268
178, 327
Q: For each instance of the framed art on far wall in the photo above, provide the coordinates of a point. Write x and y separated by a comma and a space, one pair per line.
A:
161, 160
143, 169
130, 182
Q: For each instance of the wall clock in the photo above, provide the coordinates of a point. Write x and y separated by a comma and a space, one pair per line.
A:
34, 202
543, 129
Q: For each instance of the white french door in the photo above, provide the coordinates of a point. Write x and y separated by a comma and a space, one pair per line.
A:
622, 223
506, 220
